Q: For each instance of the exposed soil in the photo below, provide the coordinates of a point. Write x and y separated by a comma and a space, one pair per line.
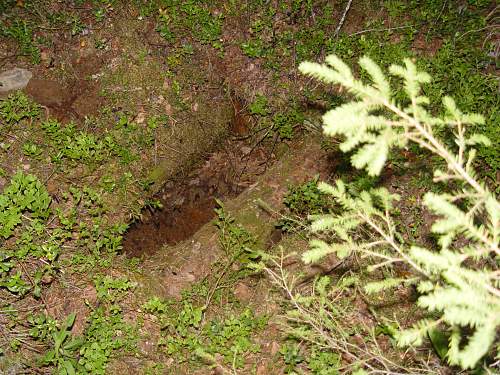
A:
178, 266
74, 99
122, 67
189, 202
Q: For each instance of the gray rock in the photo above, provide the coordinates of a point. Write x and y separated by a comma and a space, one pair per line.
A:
14, 79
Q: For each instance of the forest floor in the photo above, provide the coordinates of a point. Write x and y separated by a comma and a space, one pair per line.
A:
161, 147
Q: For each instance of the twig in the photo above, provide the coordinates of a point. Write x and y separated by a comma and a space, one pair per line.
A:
33, 283
252, 150
342, 20
478, 30
276, 136
220, 277
378, 30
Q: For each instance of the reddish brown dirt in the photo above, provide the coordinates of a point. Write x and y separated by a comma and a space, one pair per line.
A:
188, 204
74, 99
168, 226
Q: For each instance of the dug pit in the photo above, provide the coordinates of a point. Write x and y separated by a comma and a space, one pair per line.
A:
188, 203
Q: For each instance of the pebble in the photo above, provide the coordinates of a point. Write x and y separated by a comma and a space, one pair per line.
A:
243, 292
14, 79
262, 369
47, 60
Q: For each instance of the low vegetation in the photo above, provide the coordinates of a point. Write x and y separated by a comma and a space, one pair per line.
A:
458, 283
385, 262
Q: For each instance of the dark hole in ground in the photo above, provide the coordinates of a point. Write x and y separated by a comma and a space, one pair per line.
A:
189, 203
186, 208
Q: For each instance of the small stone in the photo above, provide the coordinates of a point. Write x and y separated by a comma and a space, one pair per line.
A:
169, 362
245, 150
14, 79
243, 292
47, 279
52, 187
168, 109
47, 60
261, 369
194, 182
275, 347
178, 201
140, 118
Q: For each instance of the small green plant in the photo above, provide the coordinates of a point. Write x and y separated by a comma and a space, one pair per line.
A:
22, 32
63, 353
76, 25
25, 208
110, 289
306, 199
254, 48
235, 240
17, 107
259, 106
24, 194
231, 337
67, 143
193, 329
15, 284
303, 200
458, 284
291, 356
189, 338
42, 326
192, 18
105, 334
324, 362
155, 306
100, 14
319, 362
101, 44
285, 123
318, 323
32, 150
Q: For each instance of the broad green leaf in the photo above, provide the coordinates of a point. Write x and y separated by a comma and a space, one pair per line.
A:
439, 340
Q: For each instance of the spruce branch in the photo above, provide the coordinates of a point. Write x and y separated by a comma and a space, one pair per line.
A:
454, 281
